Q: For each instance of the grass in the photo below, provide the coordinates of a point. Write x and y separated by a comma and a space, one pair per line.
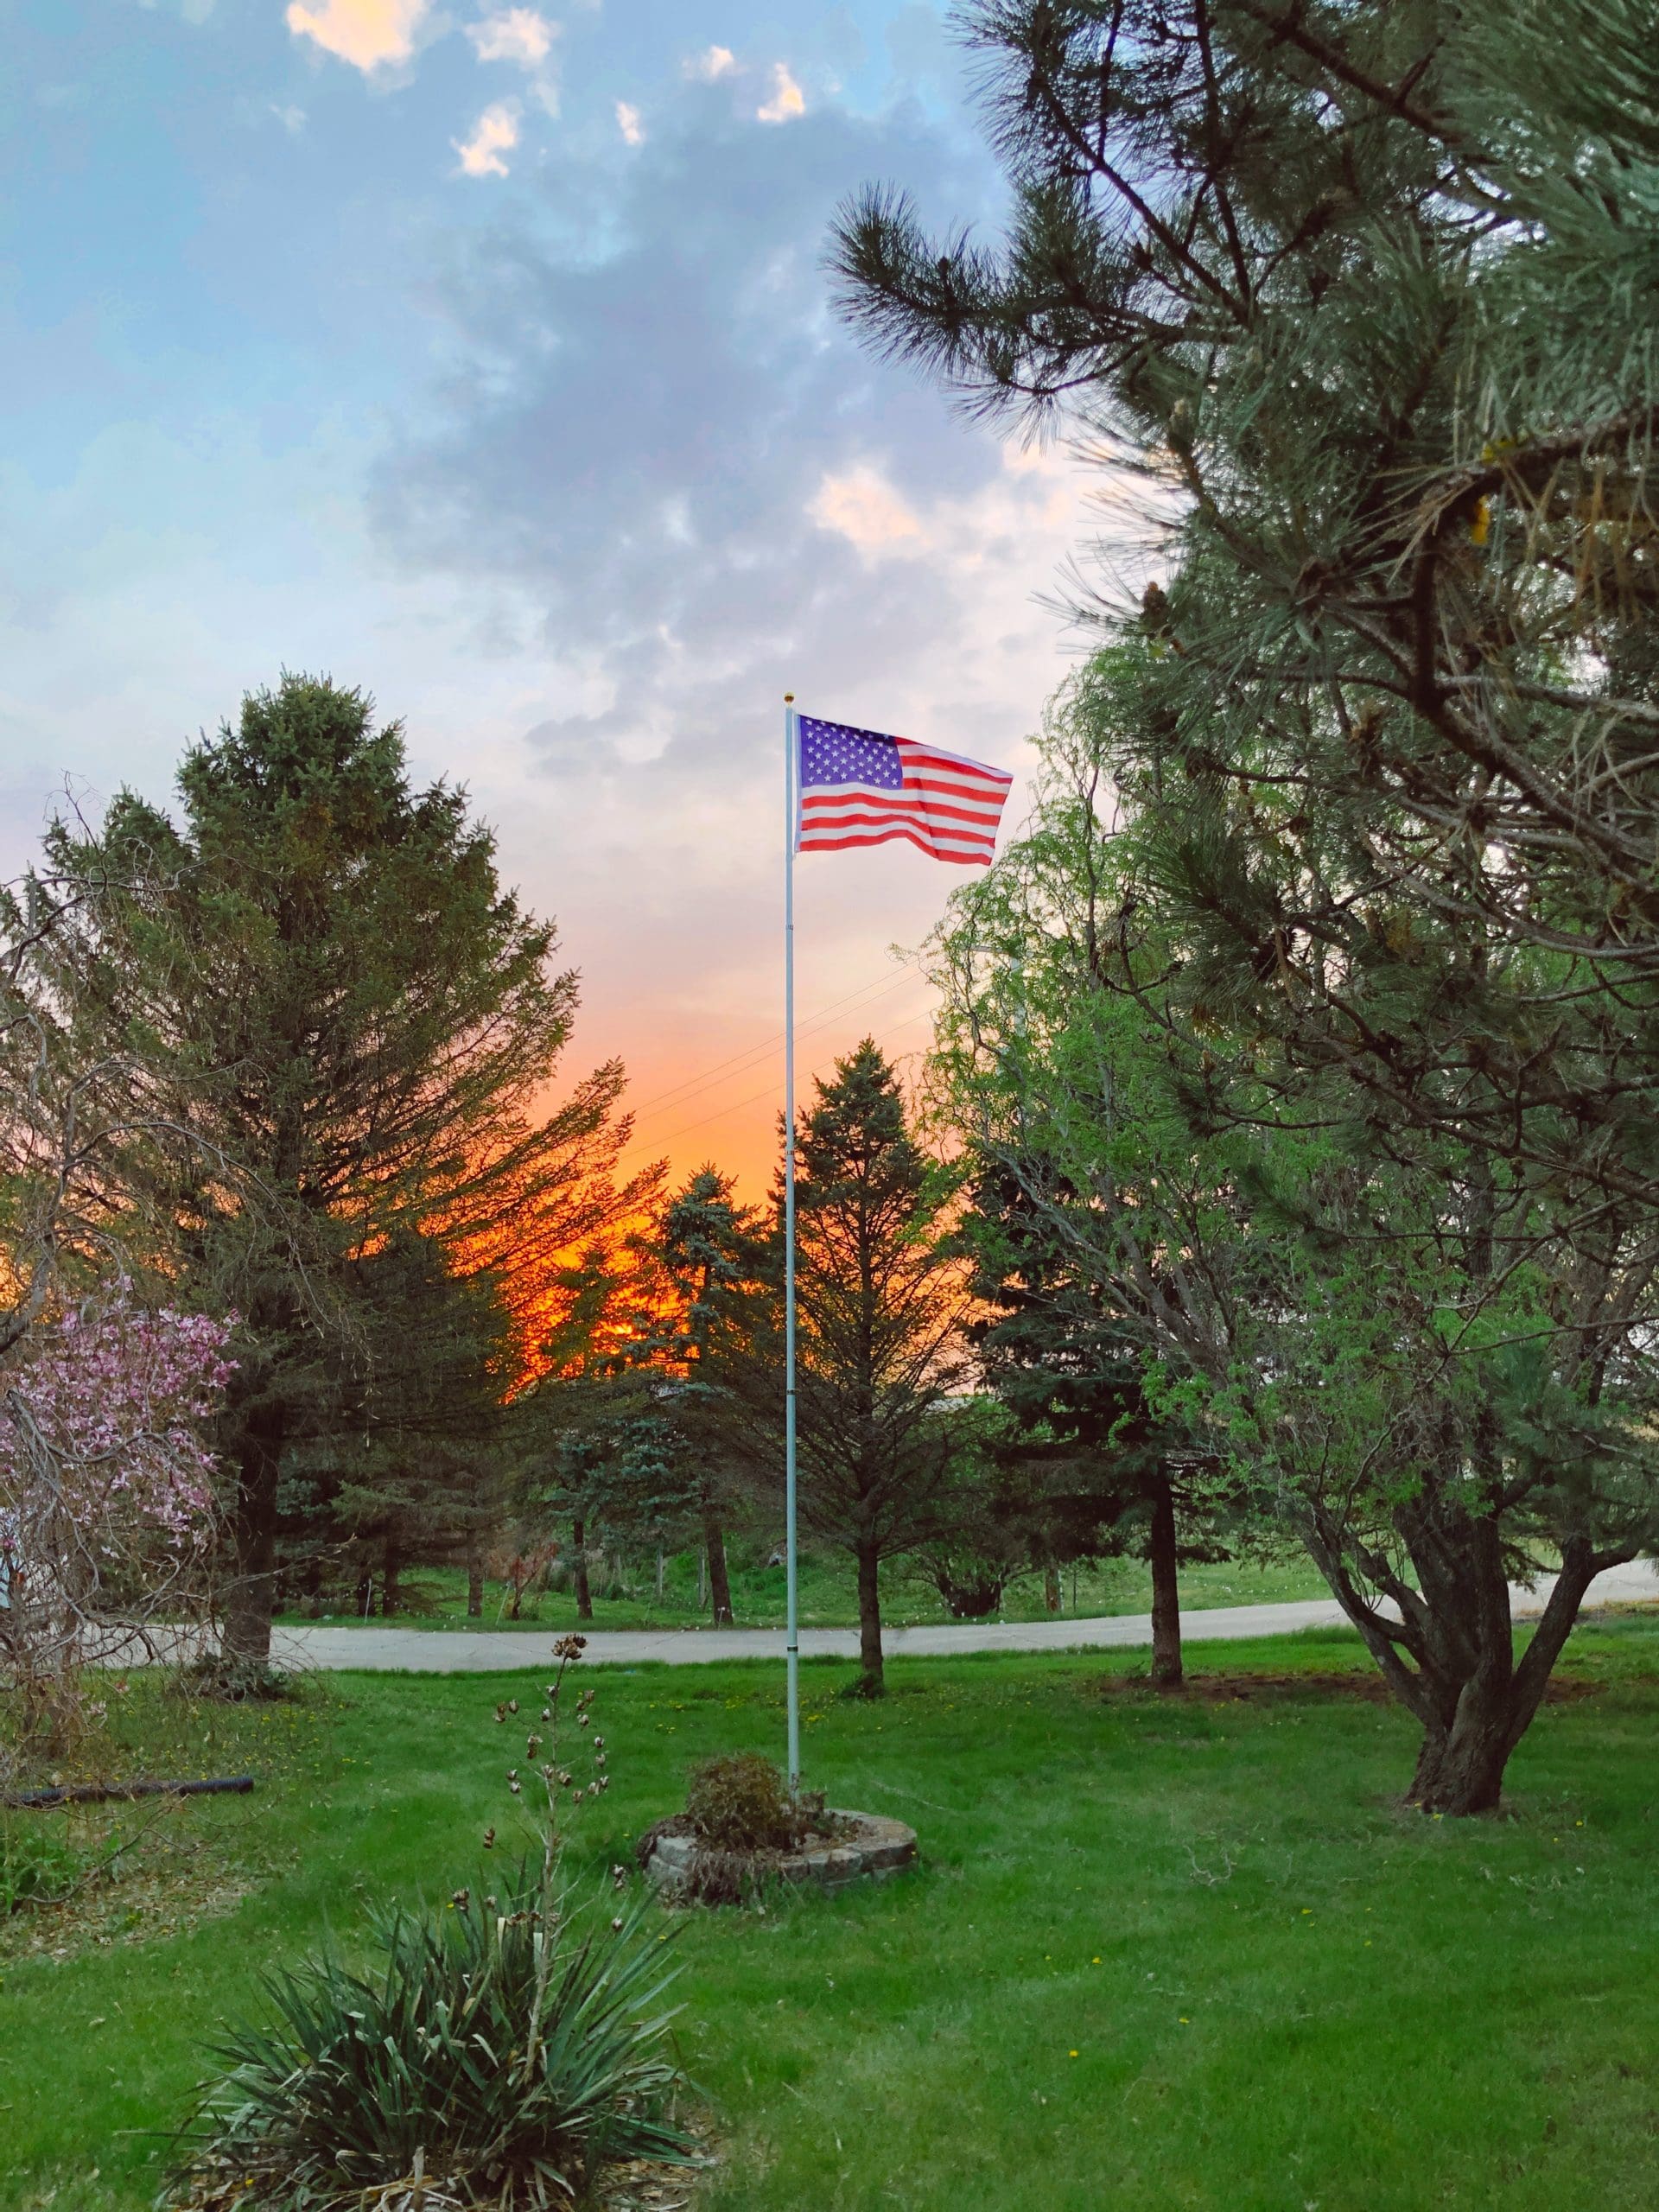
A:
1183, 1954
827, 1595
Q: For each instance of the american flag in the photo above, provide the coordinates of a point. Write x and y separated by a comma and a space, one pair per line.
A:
860, 788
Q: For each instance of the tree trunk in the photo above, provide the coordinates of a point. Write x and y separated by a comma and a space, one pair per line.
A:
579, 1555
659, 1575
391, 1570
474, 1582
1460, 1769
247, 1640
309, 1596
720, 1587
1052, 1589
1449, 1654
1166, 1591
871, 1677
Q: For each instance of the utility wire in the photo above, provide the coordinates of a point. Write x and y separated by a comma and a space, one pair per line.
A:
737, 1104
682, 1094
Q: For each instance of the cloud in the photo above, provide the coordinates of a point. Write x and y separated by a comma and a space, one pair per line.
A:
787, 99
691, 488
628, 122
682, 490
517, 34
713, 62
369, 34
495, 133
865, 510
291, 119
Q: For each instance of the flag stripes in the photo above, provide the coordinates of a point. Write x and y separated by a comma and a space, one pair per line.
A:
858, 787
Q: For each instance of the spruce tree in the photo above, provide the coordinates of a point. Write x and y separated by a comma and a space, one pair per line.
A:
406, 1467
352, 1026
881, 1346
1103, 1474
707, 1255
1368, 293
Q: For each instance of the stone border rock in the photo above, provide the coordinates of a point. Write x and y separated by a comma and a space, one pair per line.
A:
866, 1846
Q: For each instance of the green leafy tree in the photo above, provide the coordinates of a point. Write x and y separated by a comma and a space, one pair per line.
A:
350, 1026
1314, 1308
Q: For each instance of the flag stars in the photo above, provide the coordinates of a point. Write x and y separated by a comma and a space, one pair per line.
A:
833, 753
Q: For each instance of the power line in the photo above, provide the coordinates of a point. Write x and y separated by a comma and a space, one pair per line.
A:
738, 1104
753, 1054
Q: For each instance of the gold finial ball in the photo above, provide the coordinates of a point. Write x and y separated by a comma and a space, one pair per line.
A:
789, 698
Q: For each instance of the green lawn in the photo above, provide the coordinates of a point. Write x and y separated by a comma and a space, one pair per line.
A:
1158, 1956
829, 1595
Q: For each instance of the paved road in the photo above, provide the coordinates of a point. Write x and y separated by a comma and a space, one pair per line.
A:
429, 1651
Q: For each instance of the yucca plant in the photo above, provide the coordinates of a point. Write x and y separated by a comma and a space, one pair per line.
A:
499, 2052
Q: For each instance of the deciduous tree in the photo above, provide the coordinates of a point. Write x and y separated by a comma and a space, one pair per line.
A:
107, 1498
1316, 1309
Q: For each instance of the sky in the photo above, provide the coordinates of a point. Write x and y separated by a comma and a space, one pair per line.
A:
482, 357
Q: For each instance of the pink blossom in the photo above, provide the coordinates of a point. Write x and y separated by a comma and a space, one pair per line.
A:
107, 1406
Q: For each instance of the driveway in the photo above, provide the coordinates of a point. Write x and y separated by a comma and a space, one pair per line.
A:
429, 1651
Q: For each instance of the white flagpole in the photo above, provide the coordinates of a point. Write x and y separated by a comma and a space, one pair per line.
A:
790, 811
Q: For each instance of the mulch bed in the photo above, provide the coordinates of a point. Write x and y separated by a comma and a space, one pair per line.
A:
640, 2185
1246, 1688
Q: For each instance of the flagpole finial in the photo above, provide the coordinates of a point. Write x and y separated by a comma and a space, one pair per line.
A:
789, 698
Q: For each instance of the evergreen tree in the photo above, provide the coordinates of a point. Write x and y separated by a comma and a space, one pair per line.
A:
1103, 1474
407, 1467
595, 1450
881, 1349
1302, 1299
706, 1256
1371, 290
351, 1026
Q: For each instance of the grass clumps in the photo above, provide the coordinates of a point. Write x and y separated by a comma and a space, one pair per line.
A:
38, 1865
497, 2053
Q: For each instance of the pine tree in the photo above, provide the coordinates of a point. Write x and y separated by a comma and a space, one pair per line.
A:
1302, 1297
1369, 291
707, 1255
352, 1026
882, 1347
1103, 1474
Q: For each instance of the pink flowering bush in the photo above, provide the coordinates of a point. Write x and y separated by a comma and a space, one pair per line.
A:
107, 1503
